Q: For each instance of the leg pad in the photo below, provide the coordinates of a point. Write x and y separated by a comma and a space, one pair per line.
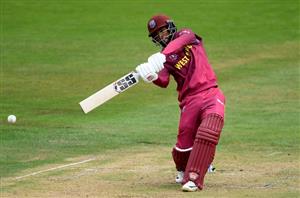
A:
204, 147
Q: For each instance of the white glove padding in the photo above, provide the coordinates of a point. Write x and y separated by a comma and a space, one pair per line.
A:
157, 61
146, 72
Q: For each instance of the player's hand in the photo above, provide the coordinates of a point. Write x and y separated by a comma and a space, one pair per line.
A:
147, 73
157, 61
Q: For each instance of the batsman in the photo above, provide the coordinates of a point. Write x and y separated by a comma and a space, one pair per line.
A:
201, 102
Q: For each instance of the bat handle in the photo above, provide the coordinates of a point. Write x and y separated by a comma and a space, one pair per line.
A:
136, 75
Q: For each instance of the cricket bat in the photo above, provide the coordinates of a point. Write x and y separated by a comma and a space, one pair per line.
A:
109, 92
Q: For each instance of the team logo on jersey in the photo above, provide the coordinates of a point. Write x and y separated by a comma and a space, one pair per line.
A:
152, 24
173, 57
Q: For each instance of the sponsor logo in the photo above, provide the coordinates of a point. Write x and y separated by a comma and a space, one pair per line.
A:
150, 77
173, 57
219, 101
193, 176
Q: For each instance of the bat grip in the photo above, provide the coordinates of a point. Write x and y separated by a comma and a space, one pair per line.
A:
136, 75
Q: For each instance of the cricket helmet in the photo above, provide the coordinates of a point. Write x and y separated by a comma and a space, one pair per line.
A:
159, 23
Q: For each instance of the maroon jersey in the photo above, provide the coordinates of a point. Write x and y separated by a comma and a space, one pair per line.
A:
187, 62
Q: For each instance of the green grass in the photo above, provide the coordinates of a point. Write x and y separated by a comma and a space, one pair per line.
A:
56, 53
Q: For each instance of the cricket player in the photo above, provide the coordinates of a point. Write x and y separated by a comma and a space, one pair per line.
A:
201, 101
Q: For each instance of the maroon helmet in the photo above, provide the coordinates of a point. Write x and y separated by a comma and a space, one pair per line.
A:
158, 24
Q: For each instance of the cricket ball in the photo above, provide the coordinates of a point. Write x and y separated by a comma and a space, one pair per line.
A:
11, 119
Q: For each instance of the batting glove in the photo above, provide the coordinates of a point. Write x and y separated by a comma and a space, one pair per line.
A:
157, 61
147, 73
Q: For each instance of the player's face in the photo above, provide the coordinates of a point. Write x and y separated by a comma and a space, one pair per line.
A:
162, 37
164, 34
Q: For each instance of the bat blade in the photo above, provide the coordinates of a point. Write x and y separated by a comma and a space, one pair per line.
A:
98, 98
109, 92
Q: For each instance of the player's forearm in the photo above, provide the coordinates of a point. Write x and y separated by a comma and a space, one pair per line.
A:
161, 83
163, 78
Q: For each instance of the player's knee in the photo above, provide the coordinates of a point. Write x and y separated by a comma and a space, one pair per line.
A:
210, 128
185, 138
